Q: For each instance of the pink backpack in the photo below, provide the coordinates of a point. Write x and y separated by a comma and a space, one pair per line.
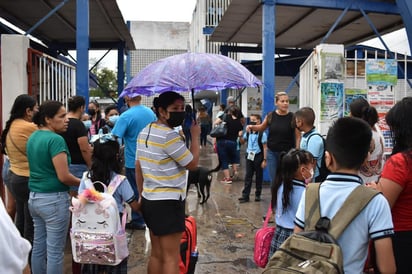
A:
98, 235
263, 238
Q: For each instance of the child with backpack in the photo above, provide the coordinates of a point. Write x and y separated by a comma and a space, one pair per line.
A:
294, 170
255, 158
347, 143
106, 168
311, 140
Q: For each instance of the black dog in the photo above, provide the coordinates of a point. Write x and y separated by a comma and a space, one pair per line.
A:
202, 179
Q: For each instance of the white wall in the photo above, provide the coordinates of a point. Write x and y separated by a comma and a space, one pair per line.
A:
13, 70
160, 35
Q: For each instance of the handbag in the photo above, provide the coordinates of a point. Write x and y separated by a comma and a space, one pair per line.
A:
263, 239
220, 130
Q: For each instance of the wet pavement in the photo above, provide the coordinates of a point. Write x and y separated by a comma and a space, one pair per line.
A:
225, 228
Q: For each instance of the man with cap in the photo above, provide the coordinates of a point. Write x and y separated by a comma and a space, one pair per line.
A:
128, 127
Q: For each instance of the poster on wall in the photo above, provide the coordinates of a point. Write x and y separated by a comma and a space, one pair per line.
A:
381, 72
381, 78
352, 94
332, 66
331, 101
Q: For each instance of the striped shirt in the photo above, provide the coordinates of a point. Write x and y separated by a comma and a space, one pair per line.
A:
163, 156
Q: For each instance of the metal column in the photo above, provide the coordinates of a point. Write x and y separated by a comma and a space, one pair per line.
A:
268, 58
82, 49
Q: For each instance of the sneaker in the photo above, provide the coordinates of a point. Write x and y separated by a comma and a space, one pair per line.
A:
226, 181
243, 200
257, 199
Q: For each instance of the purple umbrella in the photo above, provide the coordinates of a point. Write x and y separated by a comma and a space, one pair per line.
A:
190, 72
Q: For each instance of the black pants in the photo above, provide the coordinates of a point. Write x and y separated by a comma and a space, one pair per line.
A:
19, 188
402, 243
253, 167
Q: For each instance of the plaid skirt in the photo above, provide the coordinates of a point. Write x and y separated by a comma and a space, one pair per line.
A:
280, 236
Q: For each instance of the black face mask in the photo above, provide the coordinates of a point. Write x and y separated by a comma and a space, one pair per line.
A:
92, 112
175, 118
252, 123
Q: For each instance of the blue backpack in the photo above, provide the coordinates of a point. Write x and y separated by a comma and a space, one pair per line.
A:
323, 170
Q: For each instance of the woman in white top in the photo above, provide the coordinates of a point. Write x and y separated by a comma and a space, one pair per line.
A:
371, 170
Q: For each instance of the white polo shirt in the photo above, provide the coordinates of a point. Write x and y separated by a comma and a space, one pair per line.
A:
374, 222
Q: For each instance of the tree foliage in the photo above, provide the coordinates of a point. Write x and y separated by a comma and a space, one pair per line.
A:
106, 83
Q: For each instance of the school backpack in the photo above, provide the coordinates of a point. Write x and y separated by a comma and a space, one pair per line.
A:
316, 250
188, 248
97, 235
323, 170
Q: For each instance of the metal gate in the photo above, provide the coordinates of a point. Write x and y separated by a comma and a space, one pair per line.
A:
50, 78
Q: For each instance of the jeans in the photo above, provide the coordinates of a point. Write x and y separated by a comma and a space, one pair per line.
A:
77, 170
51, 216
137, 219
19, 188
272, 164
227, 152
251, 168
204, 131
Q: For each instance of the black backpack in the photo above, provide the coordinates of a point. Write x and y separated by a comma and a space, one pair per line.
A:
323, 170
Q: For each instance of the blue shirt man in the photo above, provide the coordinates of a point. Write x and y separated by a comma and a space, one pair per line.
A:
128, 127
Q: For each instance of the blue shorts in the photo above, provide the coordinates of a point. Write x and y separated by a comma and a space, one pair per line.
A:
227, 152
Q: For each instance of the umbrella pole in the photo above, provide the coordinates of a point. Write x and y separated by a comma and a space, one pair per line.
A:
193, 105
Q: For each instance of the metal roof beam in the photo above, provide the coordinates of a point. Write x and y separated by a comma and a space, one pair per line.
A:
367, 6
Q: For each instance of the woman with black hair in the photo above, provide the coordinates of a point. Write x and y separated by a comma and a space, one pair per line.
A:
14, 137
49, 183
371, 170
96, 117
162, 160
396, 182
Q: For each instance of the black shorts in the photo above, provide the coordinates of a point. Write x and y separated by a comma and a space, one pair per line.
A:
164, 217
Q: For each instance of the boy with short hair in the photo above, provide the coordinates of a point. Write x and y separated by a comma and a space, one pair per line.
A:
347, 145
311, 140
255, 158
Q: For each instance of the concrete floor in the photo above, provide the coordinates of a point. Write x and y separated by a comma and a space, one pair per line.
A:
226, 229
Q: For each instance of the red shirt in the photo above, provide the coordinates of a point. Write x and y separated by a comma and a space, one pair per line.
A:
398, 169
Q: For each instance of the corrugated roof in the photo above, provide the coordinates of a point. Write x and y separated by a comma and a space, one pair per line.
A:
107, 26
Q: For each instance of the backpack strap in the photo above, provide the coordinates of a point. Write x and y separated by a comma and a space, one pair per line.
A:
353, 205
115, 183
312, 208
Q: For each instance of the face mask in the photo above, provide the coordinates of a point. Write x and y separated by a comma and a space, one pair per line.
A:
113, 119
252, 123
92, 111
87, 124
176, 118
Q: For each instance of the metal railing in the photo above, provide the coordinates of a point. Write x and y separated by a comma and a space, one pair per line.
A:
50, 78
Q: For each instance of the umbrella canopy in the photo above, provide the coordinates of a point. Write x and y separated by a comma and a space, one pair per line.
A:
190, 72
